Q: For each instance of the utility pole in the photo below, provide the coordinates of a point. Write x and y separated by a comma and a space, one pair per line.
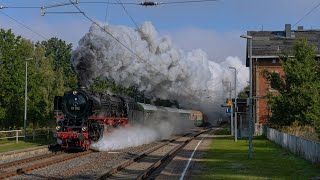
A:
25, 102
235, 105
249, 40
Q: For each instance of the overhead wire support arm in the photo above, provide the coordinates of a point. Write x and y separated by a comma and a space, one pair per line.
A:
60, 12
43, 8
20, 7
59, 5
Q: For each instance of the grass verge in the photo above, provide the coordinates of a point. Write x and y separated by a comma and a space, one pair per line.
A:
8, 145
229, 160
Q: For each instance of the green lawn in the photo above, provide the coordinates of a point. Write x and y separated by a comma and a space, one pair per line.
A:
10, 145
229, 160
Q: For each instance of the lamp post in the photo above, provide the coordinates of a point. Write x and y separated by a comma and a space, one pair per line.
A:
25, 101
249, 39
235, 105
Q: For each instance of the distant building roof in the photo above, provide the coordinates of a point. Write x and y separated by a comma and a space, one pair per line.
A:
271, 44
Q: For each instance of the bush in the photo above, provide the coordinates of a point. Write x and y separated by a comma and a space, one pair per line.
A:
307, 132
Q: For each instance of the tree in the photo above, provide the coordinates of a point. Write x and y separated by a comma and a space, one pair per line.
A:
43, 82
299, 98
243, 94
61, 53
13, 52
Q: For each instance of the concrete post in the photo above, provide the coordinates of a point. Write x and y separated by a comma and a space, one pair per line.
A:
17, 136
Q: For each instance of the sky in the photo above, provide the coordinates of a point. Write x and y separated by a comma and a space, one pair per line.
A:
207, 32
214, 27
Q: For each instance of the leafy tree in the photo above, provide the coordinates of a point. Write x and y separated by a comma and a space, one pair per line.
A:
41, 88
100, 85
243, 94
13, 52
299, 89
43, 82
61, 53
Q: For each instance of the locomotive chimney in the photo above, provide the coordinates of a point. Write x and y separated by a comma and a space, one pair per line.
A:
81, 86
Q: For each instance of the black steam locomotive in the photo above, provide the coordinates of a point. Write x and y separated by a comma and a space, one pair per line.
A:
83, 115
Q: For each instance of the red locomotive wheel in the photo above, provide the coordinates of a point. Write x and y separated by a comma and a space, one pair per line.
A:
86, 145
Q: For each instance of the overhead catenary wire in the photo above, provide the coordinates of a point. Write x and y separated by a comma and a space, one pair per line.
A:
74, 3
134, 22
103, 29
105, 2
184, 2
119, 1
145, 3
315, 7
77, 2
168, 77
25, 26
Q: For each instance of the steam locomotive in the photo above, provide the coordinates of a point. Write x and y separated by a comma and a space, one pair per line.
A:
82, 116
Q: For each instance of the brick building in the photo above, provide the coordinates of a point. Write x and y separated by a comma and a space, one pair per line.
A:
267, 46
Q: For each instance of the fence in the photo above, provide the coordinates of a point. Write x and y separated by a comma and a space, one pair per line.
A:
8, 136
34, 134
308, 149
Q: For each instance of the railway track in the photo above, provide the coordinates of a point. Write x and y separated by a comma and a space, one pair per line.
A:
34, 165
147, 162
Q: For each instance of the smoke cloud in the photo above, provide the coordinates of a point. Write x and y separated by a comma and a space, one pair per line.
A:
161, 70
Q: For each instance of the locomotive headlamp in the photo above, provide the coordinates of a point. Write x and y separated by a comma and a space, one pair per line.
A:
75, 92
58, 128
84, 128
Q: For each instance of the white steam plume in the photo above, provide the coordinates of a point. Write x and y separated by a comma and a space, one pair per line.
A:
165, 72
162, 126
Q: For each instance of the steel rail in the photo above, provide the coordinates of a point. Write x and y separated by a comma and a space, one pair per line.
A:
122, 166
41, 165
168, 155
22, 161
